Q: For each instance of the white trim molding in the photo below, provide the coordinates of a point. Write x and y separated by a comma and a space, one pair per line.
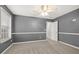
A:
30, 33
69, 45
5, 25
69, 33
29, 41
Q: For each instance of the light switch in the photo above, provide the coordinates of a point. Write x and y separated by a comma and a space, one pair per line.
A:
74, 20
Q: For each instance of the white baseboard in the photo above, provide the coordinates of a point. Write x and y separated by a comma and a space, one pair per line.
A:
69, 45
28, 41
7, 48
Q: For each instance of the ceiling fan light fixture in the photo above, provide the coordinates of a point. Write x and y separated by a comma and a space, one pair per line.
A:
44, 14
44, 10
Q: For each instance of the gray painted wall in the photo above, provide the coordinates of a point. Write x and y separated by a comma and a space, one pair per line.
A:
66, 25
4, 45
29, 37
29, 24
23, 24
70, 39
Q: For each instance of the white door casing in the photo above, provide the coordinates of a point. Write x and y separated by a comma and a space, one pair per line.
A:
52, 30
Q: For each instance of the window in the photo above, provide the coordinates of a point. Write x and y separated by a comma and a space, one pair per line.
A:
5, 26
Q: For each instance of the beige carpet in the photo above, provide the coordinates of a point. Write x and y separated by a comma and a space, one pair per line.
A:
41, 47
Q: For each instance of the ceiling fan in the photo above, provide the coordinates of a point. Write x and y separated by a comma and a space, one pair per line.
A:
44, 10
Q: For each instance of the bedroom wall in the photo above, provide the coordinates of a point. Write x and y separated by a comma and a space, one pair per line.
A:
28, 28
69, 28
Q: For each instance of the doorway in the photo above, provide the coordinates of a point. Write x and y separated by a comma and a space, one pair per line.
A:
52, 30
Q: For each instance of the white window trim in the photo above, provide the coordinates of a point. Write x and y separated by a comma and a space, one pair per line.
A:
4, 40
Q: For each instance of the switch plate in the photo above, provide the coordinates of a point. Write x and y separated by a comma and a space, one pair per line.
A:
74, 20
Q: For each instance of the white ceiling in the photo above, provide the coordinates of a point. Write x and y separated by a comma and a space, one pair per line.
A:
28, 10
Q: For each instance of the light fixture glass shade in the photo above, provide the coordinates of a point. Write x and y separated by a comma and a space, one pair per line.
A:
44, 10
44, 14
